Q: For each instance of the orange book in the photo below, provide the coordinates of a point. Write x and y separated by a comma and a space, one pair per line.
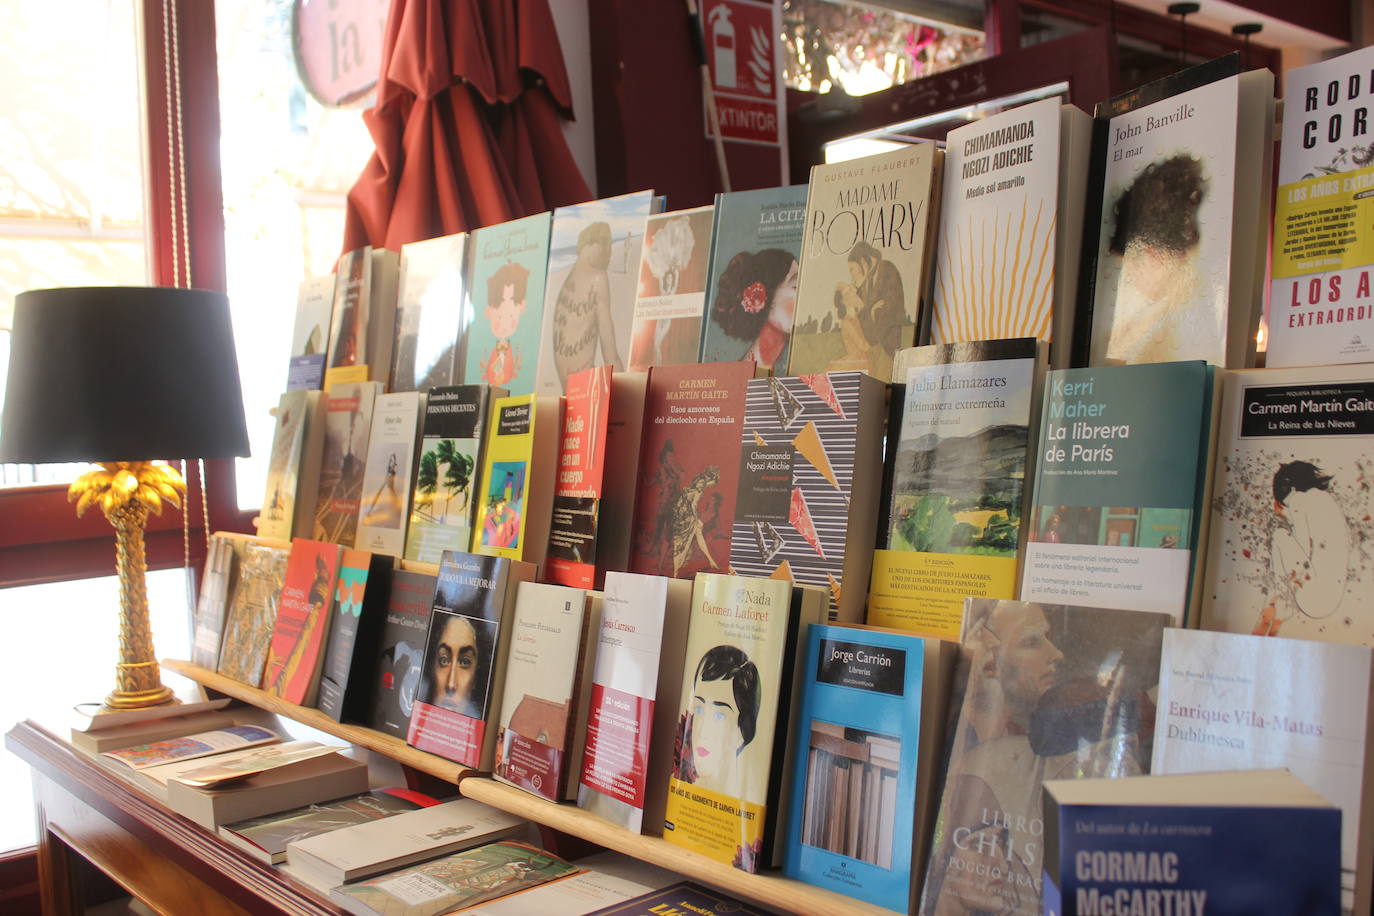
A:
296, 651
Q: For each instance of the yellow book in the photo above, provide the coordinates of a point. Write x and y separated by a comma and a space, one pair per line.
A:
516, 487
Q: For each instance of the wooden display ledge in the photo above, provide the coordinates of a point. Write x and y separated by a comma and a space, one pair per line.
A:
771, 890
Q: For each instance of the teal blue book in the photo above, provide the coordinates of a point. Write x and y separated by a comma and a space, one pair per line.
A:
1123, 472
507, 269
751, 299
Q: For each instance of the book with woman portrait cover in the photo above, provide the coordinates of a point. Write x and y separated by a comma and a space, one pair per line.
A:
296, 650
467, 648
1052, 692
865, 269
384, 507
751, 302
505, 295
670, 301
728, 791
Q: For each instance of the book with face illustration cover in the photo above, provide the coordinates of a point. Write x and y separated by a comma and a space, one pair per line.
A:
671, 296
505, 292
347, 425
384, 508
253, 612
430, 322
296, 651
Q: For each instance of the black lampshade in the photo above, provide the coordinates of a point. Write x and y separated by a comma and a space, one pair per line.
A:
107, 373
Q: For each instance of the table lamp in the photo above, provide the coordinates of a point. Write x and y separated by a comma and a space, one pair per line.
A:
120, 376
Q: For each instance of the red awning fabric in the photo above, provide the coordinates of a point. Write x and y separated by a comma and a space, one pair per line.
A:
467, 123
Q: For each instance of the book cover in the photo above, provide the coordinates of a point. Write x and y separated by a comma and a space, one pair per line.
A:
671, 296
810, 460
1229, 701
212, 605
266, 836
865, 261
1120, 483
227, 768
351, 312
388, 473
294, 460
583, 893
190, 747
394, 669
1053, 692
348, 422
515, 489
146, 732
689, 468
430, 321
296, 649
751, 302
310, 335
683, 897
577, 493
451, 446
356, 612
506, 276
594, 254
253, 613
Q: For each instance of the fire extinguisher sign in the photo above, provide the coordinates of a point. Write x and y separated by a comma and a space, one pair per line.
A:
742, 53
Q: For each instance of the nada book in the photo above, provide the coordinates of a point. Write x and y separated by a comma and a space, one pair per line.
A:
458, 709
391, 677
212, 604
684, 897
1011, 227
430, 321
965, 421
1292, 506
1320, 305
1180, 219
348, 408
296, 650
865, 261
452, 436
357, 611
726, 793
1053, 692
189, 747
865, 749
460, 880
594, 255
352, 311
751, 303
515, 489
364, 850
1258, 841
634, 700
266, 837
505, 292
671, 297
807, 502
689, 469
293, 470
385, 505
253, 611
299, 781
1228, 701
310, 337
132, 733
1123, 477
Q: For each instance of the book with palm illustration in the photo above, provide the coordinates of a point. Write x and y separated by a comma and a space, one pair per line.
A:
296, 650
347, 423
451, 444
385, 505
671, 300
358, 611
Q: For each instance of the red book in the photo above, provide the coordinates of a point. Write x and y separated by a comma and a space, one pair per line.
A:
296, 652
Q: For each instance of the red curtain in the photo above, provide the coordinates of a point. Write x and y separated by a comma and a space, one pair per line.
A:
467, 123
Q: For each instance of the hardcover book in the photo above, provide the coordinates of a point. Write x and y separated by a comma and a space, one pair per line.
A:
310, 336
351, 312
248, 627
1053, 692
296, 650
212, 605
807, 502
594, 255
515, 488
357, 611
671, 296
506, 295
865, 261
1123, 474
392, 673
266, 837
293, 470
388, 472
430, 321
684, 897
751, 302
348, 422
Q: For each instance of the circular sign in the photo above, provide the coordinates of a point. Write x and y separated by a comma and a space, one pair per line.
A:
337, 45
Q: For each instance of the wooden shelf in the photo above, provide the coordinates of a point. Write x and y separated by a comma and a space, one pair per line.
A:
771, 890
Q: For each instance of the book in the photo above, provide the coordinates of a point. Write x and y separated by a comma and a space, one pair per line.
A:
1181, 224
632, 720
1291, 507
212, 604
1011, 227
593, 275
1123, 476
1237, 842
188, 747
683, 897
671, 297
460, 880
452, 441
1319, 292
430, 320
348, 408
133, 733
223, 769
310, 336
296, 650
265, 837
865, 261
505, 291
865, 748
1052, 692
352, 312
379, 846
954, 523
726, 793
457, 711
188, 698
393, 670
1229, 701
751, 299
293, 470
548, 685
609, 878
388, 473
381, 321
689, 469
324, 775
806, 507
253, 612
515, 488
356, 611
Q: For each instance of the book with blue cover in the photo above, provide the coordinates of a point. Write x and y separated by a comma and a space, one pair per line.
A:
505, 296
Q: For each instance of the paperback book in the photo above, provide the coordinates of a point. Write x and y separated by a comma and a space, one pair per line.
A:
515, 489
351, 313
296, 650
430, 321
385, 505
671, 297
266, 837
684, 897
310, 336
357, 611
189, 747
505, 290
348, 422
293, 468
212, 604
575, 524
392, 673
253, 613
